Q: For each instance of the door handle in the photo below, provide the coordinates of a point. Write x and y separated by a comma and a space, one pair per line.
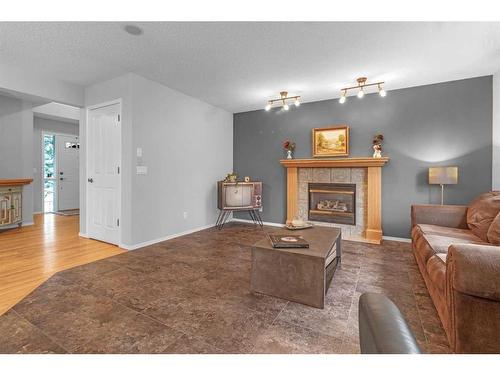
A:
90, 179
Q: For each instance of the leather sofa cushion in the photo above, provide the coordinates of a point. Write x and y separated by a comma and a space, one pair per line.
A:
440, 244
429, 240
442, 257
494, 231
464, 234
481, 213
436, 269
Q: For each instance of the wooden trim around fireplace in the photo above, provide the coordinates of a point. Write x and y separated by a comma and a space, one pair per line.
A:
374, 197
335, 163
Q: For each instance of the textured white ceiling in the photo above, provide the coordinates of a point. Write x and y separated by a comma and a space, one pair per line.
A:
237, 66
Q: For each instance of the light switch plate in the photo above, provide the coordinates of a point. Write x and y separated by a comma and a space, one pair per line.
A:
139, 152
142, 169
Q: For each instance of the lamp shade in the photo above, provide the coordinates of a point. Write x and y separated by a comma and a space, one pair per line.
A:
443, 175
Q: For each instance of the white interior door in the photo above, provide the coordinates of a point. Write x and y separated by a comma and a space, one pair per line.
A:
103, 173
67, 154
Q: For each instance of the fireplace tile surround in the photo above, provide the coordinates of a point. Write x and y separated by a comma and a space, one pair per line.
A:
356, 176
364, 172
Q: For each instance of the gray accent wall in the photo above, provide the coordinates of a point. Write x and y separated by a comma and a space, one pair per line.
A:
496, 132
444, 124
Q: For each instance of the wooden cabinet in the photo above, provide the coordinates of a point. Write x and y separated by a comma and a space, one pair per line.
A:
11, 201
5, 210
11, 205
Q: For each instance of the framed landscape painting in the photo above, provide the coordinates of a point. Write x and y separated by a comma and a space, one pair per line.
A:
332, 141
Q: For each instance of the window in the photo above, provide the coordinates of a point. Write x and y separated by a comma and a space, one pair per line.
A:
49, 169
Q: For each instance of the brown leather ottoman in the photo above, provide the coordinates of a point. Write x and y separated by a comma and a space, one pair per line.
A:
299, 275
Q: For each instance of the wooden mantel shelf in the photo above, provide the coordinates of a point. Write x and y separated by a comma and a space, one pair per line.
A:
335, 163
15, 181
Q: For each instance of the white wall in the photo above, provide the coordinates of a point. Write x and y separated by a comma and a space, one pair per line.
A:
496, 132
16, 146
187, 146
40, 125
38, 88
58, 112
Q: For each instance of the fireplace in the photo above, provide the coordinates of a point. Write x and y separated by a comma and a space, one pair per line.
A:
332, 203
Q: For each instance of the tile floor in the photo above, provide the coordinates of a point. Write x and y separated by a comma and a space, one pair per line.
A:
191, 295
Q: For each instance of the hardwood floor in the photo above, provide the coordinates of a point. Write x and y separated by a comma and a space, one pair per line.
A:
32, 254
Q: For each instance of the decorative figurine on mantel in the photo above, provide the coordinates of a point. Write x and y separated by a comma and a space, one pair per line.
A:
377, 145
289, 146
231, 177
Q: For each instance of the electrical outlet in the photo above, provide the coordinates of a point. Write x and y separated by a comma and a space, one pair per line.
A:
185, 215
261, 209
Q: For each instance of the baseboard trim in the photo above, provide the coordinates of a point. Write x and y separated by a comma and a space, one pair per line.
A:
16, 225
264, 222
83, 235
387, 238
161, 239
399, 239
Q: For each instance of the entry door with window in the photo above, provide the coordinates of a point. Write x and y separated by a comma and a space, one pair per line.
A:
67, 150
103, 173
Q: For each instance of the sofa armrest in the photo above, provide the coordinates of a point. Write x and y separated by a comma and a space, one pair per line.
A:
473, 298
446, 215
474, 270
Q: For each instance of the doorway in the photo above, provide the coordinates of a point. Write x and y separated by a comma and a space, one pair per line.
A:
60, 173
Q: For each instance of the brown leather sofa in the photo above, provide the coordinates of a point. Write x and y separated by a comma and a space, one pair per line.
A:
457, 249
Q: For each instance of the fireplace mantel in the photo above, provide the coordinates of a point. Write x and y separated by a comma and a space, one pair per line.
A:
334, 163
374, 196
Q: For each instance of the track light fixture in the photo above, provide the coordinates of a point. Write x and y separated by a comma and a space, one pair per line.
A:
284, 98
360, 86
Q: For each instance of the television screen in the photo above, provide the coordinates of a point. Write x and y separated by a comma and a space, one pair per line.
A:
239, 195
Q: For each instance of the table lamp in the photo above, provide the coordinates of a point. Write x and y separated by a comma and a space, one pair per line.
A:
443, 176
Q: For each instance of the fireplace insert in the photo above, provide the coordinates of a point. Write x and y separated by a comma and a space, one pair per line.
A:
332, 203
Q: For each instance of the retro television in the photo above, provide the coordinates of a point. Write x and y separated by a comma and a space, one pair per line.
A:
239, 195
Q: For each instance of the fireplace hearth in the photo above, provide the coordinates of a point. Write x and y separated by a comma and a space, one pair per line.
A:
332, 203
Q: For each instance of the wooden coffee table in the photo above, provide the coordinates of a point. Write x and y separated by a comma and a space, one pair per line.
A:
299, 275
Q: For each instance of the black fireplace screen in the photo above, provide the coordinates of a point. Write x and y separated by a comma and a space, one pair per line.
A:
332, 203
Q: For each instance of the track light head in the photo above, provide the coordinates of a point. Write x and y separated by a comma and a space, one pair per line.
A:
381, 91
268, 107
360, 94
343, 97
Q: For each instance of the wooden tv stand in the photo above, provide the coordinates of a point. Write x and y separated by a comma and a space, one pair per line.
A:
224, 214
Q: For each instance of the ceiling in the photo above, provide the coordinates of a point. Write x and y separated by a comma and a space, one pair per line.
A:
237, 66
